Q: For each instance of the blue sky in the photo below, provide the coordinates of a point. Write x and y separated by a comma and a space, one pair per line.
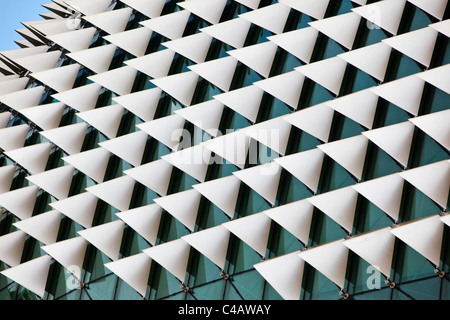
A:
12, 13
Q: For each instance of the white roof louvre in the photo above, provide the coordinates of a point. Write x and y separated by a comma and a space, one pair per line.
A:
330, 259
69, 138
129, 147
142, 103
436, 126
339, 205
60, 79
80, 208
212, 243
82, 98
205, 115
306, 166
46, 116
295, 217
183, 206
341, 28
312, 8
263, 179
116, 192
180, 86
328, 73
155, 65
13, 137
315, 120
172, 256
43, 227
219, 71
20, 202
359, 106
55, 181
23, 98
106, 237
112, 22
106, 119
233, 147
245, 101
349, 153
209, 10
170, 25
154, 175
69, 253
432, 179
438, 77
273, 133
134, 270
11, 86
384, 192
167, 130
376, 247
6, 177
258, 57
33, 158
194, 47
405, 44
386, 14
232, 32
193, 160
92, 163
436, 8
134, 41
272, 17
97, 59
119, 80
253, 230
443, 27
5, 116
284, 274
31, 274
299, 43
144, 220
424, 236
151, 9
11, 247
88, 7
18, 53
372, 59
395, 139
74, 40
285, 87
39, 62
222, 192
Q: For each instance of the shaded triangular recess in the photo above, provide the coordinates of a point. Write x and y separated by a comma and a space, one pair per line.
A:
349, 153
31, 274
222, 192
134, 41
144, 220
11, 247
424, 235
384, 192
183, 206
129, 147
435, 125
106, 237
172, 255
134, 270
43, 227
212, 243
92, 163
116, 192
432, 179
253, 230
376, 247
305, 166
80, 208
330, 259
295, 217
263, 179
155, 175
272, 17
284, 274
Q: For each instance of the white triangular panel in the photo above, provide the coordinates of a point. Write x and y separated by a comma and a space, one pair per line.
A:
313, 8
112, 22
118, 80
6, 177
194, 47
46, 116
142, 103
20, 202
436, 126
60, 79
106, 119
69, 138
205, 115
43, 227
436, 8
155, 65
180, 86
443, 27
272, 17
55, 181
13, 137
151, 9
232, 32
167, 130
39, 62
81, 98
23, 98
80, 208
438, 77
74, 41
219, 72
209, 10
154, 175
11, 247
88, 7
116, 192
134, 41
33, 158
97, 59
129, 147
92, 163
170, 25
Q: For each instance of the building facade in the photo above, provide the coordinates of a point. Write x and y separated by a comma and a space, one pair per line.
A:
227, 150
